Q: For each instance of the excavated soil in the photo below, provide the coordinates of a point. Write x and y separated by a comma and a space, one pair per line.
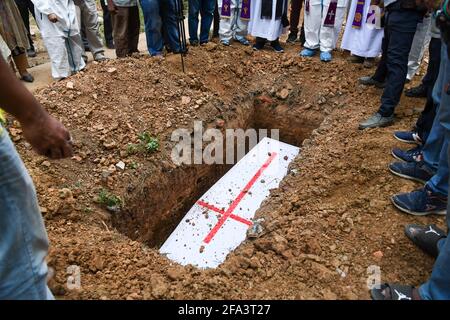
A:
329, 220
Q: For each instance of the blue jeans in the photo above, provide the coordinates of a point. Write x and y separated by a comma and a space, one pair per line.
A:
160, 23
400, 29
206, 10
436, 146
23, 240
425, 121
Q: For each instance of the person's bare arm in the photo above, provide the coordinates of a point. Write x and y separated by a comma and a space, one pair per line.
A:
45, 134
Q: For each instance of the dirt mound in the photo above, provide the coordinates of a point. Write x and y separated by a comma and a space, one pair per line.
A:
322, 226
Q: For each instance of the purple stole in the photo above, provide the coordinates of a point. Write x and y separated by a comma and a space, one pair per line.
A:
357, 20
245, 9
331, 14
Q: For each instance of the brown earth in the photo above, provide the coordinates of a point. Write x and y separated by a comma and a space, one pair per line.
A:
324, 226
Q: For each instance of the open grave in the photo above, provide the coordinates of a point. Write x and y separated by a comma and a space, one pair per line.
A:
150, 216
321, 225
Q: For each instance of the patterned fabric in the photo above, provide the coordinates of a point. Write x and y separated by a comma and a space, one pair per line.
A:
12, 28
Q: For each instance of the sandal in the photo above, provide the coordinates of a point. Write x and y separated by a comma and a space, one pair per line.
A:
425, 237
389, 291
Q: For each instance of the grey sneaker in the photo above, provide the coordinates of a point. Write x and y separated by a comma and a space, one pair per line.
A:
370, 81
100, 56
375, 121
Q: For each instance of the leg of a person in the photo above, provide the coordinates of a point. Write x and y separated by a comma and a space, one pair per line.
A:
425, 121
21, 62
433, 64
23, 239
433, 147
226, 25
313, 23
420, 42
89, 16
438, 285
57, 51
402, 26
439, 182
120, 31
207, 14
134, 28
153, 25
194, 11
435, 141
170, 24
260, 40
75, 51
296, 7
381, 71
329, 35
107, 24
22, 5
241, 26
31, 8
82, 31
216, 24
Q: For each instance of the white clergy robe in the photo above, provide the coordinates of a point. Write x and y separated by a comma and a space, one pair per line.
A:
270, 29
62, 39
317, 35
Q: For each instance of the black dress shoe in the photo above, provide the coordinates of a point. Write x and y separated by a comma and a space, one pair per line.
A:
417, 92
27, 78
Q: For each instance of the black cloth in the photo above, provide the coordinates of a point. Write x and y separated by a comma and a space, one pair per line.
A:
107, 24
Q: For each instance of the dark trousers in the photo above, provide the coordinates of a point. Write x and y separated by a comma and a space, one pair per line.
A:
25, 7
296, 8
426, 119
434, 50
381, 72
107, 23
400, 28
126, 27
161, 25
204, 8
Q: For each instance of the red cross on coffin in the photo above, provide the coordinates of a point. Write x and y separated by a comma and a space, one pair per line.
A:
218, 222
